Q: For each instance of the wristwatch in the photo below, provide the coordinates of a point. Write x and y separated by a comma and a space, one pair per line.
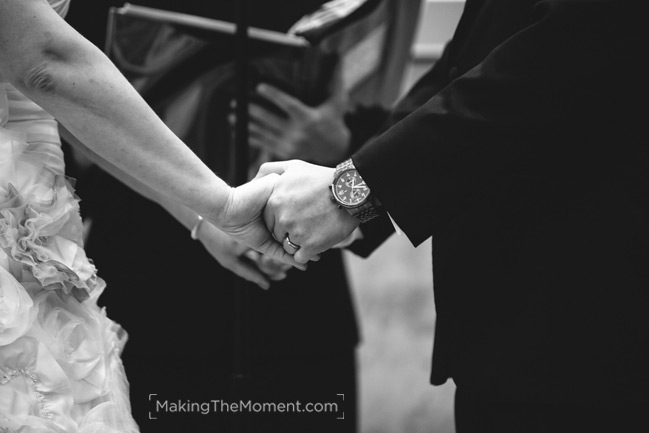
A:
352, 194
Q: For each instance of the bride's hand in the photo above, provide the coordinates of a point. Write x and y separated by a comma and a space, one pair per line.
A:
234, 256
242, 219
274, 270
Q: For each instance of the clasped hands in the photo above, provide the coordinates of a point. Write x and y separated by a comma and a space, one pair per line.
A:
284, 217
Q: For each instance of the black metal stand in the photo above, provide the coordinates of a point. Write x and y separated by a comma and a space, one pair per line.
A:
241, 380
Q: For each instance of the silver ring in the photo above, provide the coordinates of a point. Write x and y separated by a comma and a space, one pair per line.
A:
291, 244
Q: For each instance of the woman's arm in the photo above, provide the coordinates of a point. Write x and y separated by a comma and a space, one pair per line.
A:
48, 61
229, 253
57, 68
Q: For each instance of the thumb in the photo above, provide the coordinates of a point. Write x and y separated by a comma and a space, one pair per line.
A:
260, 188
267, 168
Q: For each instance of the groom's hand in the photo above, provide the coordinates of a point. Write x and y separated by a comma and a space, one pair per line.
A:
242, 219
301, 208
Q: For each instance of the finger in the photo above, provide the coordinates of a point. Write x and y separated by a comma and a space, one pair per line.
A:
269, 266
252, 255
263, 119
279, 233
253, 233
238, 249
304, 255
261, 133
278, 276
271, 223
268, 119
309, 250
257, 142
246, 270
274, 250
289, 246
293, 106
302, 248
258, 130
278, 167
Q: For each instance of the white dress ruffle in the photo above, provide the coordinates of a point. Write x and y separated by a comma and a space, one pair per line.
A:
60, 369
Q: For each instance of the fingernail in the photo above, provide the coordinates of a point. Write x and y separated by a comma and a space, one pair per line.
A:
278, 277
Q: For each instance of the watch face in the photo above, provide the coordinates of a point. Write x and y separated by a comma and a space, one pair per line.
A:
350, 189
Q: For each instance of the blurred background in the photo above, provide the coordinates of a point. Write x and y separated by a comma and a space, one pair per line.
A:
392, 289
394, 296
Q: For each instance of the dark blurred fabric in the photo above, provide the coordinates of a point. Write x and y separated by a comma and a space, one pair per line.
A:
522, 152
176, 302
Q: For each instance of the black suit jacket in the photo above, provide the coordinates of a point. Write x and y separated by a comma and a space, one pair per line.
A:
526, 162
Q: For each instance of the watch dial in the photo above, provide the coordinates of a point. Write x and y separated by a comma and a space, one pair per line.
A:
350, 189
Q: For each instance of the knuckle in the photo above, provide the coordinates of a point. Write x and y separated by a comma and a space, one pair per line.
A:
285, 223
273, 176
274, 202
265, 167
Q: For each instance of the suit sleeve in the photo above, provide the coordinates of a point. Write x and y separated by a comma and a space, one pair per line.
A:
366, 123
518, 104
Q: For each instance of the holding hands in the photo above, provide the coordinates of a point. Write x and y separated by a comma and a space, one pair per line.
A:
242, 243
241, 260
300, 209
285, 211
318, 134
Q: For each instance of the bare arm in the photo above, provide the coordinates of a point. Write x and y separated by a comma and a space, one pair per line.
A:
222, 247
48, 61
54, 66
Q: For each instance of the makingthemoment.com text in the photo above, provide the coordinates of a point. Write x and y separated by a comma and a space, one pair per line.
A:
247, 406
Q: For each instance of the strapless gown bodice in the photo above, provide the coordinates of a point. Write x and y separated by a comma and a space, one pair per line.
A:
28, 119
33, 124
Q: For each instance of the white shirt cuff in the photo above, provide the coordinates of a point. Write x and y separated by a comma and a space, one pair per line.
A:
396, 227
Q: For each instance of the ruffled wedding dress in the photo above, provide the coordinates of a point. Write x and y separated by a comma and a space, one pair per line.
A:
60, 369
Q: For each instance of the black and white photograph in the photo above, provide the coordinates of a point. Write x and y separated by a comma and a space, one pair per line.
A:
349, 216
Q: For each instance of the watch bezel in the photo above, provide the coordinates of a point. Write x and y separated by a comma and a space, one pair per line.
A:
338, 199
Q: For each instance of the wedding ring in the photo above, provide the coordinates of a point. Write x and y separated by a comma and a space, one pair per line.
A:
290, 244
